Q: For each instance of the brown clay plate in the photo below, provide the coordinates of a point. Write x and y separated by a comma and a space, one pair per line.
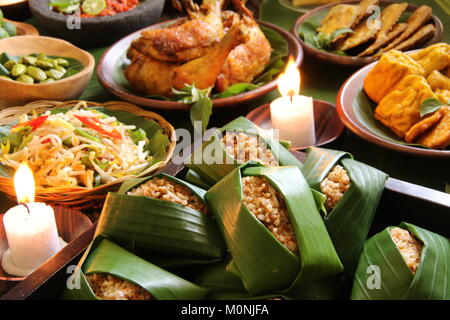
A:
356, 111
70, 223
316, 15
326, 120
107, 72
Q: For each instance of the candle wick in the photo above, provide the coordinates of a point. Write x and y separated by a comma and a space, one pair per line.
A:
26, 206
291, 94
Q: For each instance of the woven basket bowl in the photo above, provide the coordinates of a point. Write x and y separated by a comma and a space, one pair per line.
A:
82, 197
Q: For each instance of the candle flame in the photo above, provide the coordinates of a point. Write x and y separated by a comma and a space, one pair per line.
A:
289, 81
24, 184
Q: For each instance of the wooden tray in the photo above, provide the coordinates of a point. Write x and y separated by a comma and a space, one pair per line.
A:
71, 224
401, 201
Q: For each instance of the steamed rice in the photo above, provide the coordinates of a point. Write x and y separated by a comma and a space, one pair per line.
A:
269, 207
409, 247
108, 287
164, 189
334, 186
245, 148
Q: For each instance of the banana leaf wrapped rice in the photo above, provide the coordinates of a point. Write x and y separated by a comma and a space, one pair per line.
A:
109, 272
273, 229
412, 263
351, 193
238, 142
168, 219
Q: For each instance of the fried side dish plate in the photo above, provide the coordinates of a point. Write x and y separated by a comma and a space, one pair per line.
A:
373, 33
400, 83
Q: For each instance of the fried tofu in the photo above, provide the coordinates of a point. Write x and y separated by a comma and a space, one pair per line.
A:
437, 80
418, 18
443, 95
400, 109
417, 38
368, 30
388, 72
435, 57
423, 126
339, 17
439, 136
440, 84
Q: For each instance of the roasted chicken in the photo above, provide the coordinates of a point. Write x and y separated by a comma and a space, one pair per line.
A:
213, 48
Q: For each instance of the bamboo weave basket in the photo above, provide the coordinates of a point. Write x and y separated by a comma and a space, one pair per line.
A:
82, 197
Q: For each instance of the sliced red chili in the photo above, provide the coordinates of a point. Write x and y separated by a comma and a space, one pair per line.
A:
98, 126
34, 123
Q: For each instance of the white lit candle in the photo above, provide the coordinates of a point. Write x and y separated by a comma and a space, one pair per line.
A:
292, 114
30, 229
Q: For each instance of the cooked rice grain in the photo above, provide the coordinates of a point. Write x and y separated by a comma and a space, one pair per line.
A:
334, 186
108, 287
164, 189
245, 148
409, 247
269, 207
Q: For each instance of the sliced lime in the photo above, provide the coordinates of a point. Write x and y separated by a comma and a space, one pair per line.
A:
93, 7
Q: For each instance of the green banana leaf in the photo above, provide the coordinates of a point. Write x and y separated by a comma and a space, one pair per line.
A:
224, 285
430, 282
194, 178
263, 263
168, 233
107, 257
221, 164
349, 222
158, 140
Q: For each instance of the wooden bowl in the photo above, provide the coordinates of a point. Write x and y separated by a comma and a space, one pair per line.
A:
353, 61
70, 223
17, 93
24, 29
326, 121
98, 31
353, 115
110, 59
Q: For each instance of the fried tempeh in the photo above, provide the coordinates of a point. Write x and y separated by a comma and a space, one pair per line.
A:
415, 21
365, 5
312, 2
394, 33
339, 17
367, 30
420, 36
